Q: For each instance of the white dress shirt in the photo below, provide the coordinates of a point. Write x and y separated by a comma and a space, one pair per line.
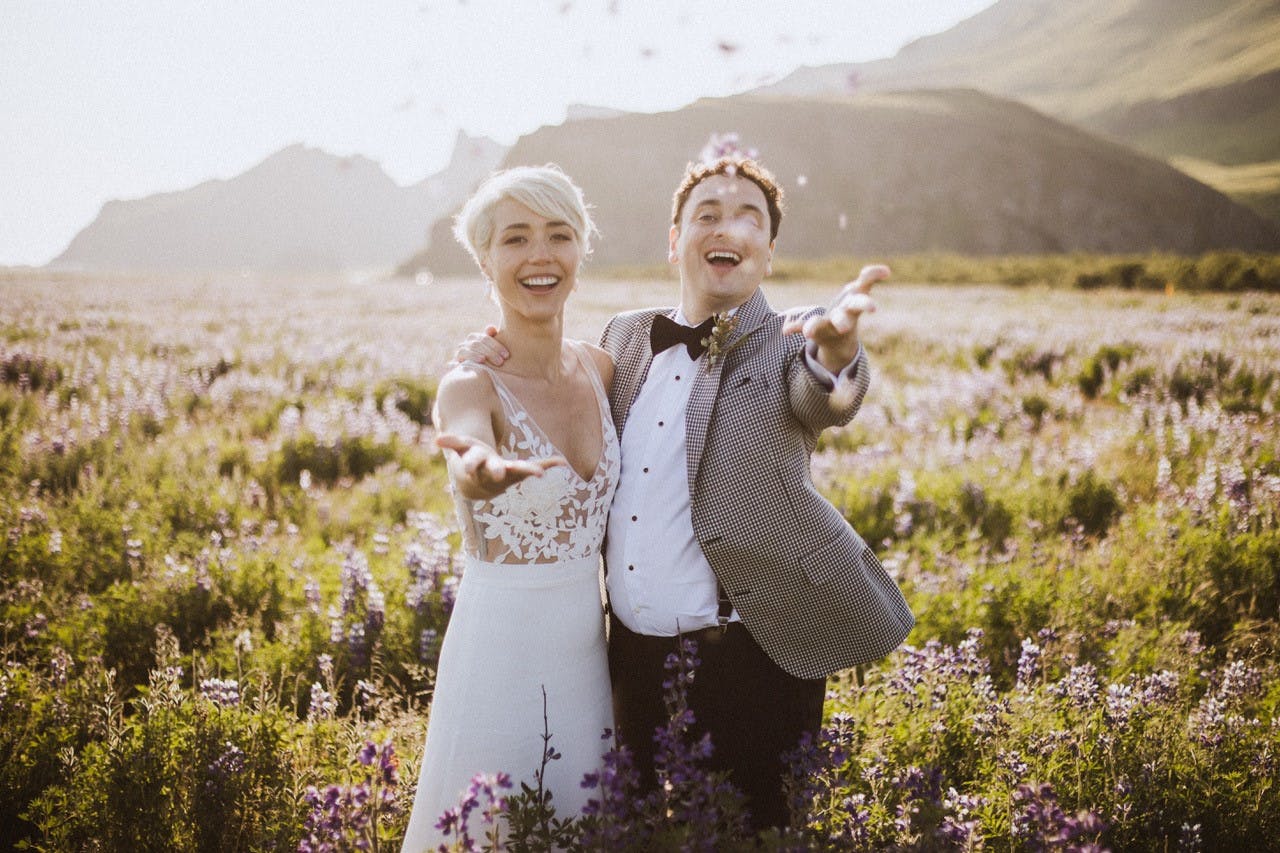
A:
659, 581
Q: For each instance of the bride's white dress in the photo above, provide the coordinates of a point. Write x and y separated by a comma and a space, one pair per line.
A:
528, 618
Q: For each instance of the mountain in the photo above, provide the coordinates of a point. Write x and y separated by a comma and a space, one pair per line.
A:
1197, 80
300, 210
940, 170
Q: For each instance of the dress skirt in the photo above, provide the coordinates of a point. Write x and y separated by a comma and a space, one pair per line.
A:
516, 629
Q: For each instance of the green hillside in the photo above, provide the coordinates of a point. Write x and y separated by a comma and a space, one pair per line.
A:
1172, 78
941, 171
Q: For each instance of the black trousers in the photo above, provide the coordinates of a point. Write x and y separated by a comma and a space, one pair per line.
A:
753, 709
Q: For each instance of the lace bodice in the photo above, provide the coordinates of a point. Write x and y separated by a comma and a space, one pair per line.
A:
558, 516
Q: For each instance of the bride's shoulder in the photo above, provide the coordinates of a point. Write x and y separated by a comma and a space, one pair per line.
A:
465, 383
602, 361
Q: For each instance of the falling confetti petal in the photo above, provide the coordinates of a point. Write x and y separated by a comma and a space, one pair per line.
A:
727, 47
844, 221
801, 180
725, 145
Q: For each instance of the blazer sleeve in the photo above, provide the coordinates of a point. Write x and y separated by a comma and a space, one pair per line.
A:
819, 406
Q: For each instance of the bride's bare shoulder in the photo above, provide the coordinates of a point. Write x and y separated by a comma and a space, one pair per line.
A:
465, 386
602, 361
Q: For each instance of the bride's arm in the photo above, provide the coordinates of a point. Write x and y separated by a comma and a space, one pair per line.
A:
465, 413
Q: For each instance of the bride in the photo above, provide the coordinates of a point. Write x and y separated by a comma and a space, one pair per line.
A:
533, 459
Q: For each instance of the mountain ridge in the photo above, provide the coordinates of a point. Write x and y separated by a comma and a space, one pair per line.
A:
300, 209
933, 170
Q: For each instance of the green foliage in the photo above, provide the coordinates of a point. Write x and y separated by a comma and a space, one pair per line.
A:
1093, 504
411, 396
328, 462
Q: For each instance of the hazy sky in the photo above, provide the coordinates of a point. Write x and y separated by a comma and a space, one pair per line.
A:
111, 99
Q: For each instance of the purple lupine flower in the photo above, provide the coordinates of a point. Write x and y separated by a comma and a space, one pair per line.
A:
1237, 681
428, 560
1158, 687
336, 629
427, 648
449, 593
322, 706
690, 796
1079, 686
610, 819
202, 578
1042, 824
346, 817
960, 826
376, 610
1120, 704
355, 578
456, 821
312, 593
223, 693
1189, 840
1028, 664
60, 665
230, 763
357, 644
365, 693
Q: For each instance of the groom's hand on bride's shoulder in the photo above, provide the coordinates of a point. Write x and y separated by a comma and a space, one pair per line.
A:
483, 347
485, 473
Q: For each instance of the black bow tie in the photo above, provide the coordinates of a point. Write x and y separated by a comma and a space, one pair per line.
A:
666, 333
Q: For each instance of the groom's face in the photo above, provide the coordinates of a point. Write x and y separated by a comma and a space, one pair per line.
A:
721, 244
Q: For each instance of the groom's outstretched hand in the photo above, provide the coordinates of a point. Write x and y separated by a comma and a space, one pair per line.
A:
486, 474
482, 347
836, 331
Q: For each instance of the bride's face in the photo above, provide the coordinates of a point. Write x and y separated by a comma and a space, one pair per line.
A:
532, 260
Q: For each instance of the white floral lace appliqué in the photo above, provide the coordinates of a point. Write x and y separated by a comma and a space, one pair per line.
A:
557, 516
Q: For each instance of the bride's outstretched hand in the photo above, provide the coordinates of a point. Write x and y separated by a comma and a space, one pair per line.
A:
487, 474
482, 347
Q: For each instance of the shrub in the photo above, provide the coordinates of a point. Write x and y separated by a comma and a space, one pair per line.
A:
348, 456
1093, 504
29, 372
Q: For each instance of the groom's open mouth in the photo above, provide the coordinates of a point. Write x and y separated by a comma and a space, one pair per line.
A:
723, 259
540, 283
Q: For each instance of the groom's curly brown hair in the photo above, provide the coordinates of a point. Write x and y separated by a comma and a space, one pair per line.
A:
734, 166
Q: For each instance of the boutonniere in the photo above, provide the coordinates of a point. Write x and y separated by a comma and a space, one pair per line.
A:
717, 343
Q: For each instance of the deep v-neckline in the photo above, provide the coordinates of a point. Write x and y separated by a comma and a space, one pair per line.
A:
596, 391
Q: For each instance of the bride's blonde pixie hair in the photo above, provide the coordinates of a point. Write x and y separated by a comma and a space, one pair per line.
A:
546, 190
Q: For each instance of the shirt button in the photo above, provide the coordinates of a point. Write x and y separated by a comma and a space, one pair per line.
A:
646, 470
631, 568
660, 423
635, 518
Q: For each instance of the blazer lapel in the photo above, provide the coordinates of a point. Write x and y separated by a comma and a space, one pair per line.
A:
632, 369
706, 387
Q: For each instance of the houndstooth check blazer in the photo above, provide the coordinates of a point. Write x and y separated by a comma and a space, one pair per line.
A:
804, 583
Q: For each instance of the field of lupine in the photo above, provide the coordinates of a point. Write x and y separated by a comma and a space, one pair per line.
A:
227, 557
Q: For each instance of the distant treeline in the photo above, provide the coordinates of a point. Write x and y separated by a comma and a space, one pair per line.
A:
1219, 272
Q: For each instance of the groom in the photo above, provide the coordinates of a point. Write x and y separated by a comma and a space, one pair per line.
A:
716, 530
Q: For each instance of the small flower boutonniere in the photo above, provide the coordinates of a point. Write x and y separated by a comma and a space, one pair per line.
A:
717, 343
